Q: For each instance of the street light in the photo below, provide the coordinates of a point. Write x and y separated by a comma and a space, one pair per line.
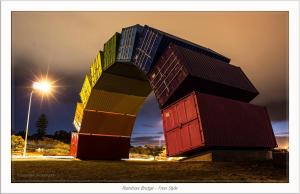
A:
44, 87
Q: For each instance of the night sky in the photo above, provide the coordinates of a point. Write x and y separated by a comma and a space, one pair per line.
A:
64, 45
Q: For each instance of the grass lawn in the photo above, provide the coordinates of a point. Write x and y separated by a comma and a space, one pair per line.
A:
62, 170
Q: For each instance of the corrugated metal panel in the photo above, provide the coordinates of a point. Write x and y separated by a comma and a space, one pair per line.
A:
86, 90
126, 70
96, 68
167, 76
234, 124
183, 131
106, 123
102, 100
128, 40
95, 147
74, 143
180, 71
153, 42
111, 50
78, 115
202, 120
214, 70
120, 84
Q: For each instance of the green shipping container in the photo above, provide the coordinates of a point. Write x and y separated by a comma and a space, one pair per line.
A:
111, 50
86, 90
124, 85
112, 102
96, 68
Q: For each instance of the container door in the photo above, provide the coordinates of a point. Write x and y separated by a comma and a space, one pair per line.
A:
196, 134
181, 111
170, 118
178, 141
171, 143
185, 138
190, 108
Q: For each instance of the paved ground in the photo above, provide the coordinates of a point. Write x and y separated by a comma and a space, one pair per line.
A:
72, 170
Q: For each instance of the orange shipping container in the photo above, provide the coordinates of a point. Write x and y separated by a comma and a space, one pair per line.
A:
104, 123
101, 100
78, 115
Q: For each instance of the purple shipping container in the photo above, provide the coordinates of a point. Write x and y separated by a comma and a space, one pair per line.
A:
153, 42
179, 71
201, 121
96, 147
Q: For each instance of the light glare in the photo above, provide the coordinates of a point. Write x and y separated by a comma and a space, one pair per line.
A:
43, 86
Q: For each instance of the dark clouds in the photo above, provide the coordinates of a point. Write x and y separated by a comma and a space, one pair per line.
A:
67, 42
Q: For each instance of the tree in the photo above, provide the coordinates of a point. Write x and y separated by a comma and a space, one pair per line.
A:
20, 133
41, 125
62, 136
17, 143
154, 150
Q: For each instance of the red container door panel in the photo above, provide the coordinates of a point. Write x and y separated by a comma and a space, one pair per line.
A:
186, 110
181, 112
190, 108
170, 119
196, 134
171, 143
185, 138
178, 141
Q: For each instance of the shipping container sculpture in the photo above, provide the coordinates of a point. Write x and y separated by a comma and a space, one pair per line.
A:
153, 42
200, 121
78, 116
204, 100
179, 71
110, 50
99, 147
96, 68
86, 90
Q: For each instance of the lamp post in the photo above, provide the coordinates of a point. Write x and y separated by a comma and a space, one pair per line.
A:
44, 87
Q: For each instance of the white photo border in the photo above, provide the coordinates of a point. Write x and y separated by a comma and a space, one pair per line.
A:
288, 5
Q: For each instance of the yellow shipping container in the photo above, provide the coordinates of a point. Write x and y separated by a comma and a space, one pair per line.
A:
78, 116
86, 90
96, 68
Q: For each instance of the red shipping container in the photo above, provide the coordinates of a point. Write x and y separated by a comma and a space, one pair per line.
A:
100, 147
205, 121
74, 143
180, 71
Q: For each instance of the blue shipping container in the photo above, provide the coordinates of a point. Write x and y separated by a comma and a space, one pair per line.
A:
129, 37
153, 42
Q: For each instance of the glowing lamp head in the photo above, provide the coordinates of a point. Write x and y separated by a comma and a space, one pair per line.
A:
42, 86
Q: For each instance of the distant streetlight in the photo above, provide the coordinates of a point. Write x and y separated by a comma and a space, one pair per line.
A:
44, 87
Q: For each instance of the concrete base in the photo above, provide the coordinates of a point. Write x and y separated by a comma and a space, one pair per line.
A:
231, 155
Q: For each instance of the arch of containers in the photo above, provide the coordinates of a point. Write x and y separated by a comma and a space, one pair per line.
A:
204, 100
